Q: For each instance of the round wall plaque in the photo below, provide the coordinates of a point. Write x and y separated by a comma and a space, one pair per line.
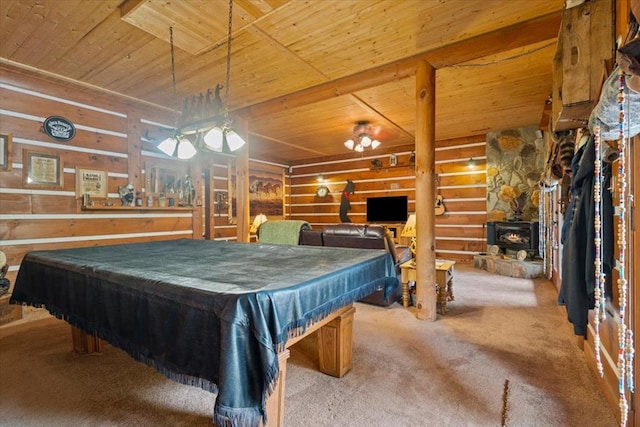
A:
59, 128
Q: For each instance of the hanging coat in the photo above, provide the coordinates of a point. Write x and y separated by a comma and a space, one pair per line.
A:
578, 270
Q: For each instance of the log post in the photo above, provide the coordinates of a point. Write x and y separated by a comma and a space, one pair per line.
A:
242, 182
134, 152
195, 171
425, 191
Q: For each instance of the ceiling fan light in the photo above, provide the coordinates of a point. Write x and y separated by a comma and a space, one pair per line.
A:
186, 150
349, 144
168, 146
365, 140
234, 141
214, 139
375, 144
359, 148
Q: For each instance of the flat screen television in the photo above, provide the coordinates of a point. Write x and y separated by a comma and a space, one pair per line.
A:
387, 209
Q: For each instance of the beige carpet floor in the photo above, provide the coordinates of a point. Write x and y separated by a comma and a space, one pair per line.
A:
406, 372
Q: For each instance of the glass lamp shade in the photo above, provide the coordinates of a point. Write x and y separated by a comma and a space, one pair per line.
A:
234, 141
375, 144
186, 150
349, 144
257, 222
359, 148
409, 230
168, 146
365, 141
214, 139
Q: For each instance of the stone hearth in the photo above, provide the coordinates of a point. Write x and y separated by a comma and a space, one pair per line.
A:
511, 267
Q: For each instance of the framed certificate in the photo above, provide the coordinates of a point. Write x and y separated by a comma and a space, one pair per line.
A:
92, 182
42, 170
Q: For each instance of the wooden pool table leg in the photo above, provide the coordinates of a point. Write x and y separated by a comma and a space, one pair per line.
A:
275, 402
84, 343
335, 344
335, 339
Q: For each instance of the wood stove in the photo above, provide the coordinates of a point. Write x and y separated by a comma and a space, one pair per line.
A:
514, 235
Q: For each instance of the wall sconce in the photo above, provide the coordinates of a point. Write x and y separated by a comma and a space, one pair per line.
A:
471, 164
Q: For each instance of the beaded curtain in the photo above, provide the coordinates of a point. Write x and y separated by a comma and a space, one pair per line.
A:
626, 347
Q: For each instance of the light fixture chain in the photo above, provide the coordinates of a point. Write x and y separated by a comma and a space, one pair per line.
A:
226, 87
173, 68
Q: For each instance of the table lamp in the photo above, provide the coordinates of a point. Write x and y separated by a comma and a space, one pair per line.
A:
409, 230
257, 222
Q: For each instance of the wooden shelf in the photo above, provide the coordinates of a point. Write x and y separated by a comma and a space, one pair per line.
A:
137, 208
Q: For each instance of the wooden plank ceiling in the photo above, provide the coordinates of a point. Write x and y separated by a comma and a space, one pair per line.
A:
303, 71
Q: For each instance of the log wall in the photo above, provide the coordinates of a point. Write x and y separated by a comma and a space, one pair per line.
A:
460, 232
110, 137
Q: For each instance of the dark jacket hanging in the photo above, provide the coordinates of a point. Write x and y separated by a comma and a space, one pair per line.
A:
578, 271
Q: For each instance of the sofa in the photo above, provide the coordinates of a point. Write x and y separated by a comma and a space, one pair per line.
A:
349, 235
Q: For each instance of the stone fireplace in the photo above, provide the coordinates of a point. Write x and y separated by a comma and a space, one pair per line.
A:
511, 237
514, 235
515, 162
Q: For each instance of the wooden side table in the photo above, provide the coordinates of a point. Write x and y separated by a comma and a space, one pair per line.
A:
444, 282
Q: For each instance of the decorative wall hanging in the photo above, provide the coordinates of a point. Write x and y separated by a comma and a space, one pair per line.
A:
266, 194
59, 128
5, 151
345, 204
92, 182
626, 347
42, 170
603, 131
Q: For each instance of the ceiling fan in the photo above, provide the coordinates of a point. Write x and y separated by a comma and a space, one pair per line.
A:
363, 136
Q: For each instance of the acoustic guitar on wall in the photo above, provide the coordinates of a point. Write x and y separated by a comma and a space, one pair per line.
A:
440, 209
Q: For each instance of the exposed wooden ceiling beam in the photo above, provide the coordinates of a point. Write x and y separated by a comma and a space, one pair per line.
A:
288, 144
514, 36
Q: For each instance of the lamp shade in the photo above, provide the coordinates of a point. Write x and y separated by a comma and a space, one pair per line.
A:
214, 139
365, 141
409, 229
186, 150
349, 144
257, 222
234, 141
168, 146
375, 144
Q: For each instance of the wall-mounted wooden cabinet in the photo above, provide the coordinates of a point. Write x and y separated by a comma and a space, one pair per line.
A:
585, 51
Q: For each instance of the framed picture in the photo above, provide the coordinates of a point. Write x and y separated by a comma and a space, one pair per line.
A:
42, 170
92, 182
5, 151
266, 193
